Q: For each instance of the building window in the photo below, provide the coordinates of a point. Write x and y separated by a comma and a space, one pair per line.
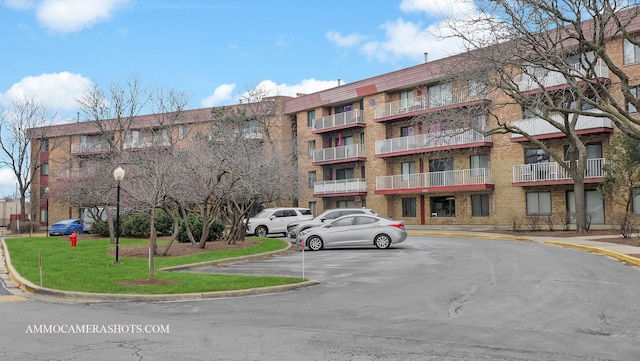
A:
479, 162
635, 203
311, 116
311, 148
443, 206
313, 206
535, 155
440, 95
538, 203
631, 51
407, 131
406, 99
44, 169
408, 170
408, 207
44, 145
312, 178
480, 205
345, 173
182, 131
345, 204
635, 91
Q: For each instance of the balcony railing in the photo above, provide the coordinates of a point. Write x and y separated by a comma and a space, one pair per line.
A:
138, 144
526, 82
552, 171
76, 172
460, 177
422, 142
338, 120
398, 107
339, 153
358, 185
91, 147
252, 133
539, 126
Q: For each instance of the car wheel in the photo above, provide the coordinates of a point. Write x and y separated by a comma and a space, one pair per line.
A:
314, 243
261, 231
382, 241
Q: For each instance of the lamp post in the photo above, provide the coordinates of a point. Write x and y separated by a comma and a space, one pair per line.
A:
118, 175
46, 191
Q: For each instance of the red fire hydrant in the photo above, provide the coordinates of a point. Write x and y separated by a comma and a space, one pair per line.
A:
73, 238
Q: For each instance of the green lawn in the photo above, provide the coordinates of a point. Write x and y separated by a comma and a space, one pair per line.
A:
89, 268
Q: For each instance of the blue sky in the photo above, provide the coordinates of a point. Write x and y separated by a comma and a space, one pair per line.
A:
213, 50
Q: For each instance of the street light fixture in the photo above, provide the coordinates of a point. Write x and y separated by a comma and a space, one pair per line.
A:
118, 175
46, 191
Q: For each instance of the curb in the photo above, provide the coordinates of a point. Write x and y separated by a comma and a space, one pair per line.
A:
28, 287
606, 252
466, 235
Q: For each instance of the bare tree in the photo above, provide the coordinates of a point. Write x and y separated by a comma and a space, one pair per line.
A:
24, 120
623, 172
525, 49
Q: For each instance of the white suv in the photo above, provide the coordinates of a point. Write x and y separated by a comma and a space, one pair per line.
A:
275, 220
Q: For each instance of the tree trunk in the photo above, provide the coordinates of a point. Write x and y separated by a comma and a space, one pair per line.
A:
152, 244
581, 209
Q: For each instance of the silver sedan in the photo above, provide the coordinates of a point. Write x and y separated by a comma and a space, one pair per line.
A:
354, 230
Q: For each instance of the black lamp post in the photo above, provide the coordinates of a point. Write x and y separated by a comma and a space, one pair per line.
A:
118, 175
46, 191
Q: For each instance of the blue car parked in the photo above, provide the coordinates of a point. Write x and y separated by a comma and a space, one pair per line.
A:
67, 226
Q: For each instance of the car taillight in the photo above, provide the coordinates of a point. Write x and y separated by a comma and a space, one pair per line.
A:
397, 225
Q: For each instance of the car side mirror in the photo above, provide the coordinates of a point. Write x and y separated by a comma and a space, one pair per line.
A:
322, 219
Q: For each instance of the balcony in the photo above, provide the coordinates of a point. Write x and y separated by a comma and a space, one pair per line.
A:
90, 147
551, 173
350, 119
143, 143
342, 154
252, 134
402, 108
554, 79
445, 181
431, 142
543, 129
341, 187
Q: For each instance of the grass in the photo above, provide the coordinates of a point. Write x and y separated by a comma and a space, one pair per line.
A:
89, 268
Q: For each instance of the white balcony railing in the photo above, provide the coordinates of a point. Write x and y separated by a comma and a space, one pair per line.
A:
539, 126
458, 177
146, 143
338, 153
338, 120
252, 133
430, 140
90, 147
552, 171
76, 172
457, 96
340, 186
552, 78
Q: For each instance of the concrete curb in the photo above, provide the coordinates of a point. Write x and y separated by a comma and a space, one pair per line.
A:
28, 287
606, 252
466, 235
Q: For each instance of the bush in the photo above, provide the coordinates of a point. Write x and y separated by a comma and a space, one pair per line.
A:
195, 223
100, 227
24, 227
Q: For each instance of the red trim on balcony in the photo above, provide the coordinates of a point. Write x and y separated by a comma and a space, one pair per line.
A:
439, 189
346, 194
556, 182
432, 110
435, 149
339, 127
345, 160
562, 135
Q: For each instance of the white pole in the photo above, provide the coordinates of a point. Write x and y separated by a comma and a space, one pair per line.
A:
303, 258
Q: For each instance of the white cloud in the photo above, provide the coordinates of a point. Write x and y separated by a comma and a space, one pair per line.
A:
18, 4
220, 96
344, 41
67, 16
55, 90
440, 8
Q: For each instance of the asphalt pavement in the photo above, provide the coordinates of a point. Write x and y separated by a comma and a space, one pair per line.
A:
15, 288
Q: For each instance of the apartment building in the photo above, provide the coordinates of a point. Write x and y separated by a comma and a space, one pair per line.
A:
383, 143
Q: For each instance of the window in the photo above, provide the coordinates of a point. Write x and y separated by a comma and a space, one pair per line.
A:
479, 162
594, 151
44, 145
533, 111
44, 169
440, 95
440, 165
345, 204
593, 205
631, 51
346, 173
443, 206
182, 131
635, 91
535, 155
311, 148
480, 205
406, 99
635, 203
476, 89
407, 131
44, 216
313, 207
538, 203
312, 178
311, 116
408, 207
408, 170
